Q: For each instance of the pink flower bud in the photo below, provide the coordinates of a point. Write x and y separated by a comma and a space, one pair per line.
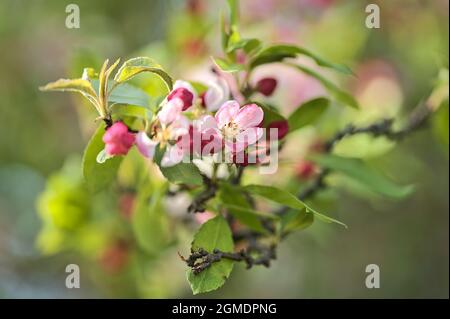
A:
282, 126
266, 86
118, 140
184, 95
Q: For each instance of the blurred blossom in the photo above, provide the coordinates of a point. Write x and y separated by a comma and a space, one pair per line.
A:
202, 218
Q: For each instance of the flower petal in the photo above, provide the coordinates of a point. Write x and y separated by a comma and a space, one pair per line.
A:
145, 145
227, 112
250, 136
173, 155
170, 111
185, 85
250, 115
217, 94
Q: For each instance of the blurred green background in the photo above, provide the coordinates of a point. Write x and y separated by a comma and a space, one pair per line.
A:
396, 66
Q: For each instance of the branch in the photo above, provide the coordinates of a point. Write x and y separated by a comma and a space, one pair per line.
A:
199, 202
416, 120
201, 259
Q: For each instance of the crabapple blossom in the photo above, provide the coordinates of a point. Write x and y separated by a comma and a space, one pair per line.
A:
173, 125
118, 140
305, 169
238, 126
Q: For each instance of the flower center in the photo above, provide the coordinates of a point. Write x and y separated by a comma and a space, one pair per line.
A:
230, 130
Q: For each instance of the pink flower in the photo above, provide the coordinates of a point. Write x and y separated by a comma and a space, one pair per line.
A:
173, 126
217, 94
266, 86
184, 92
118, 140
239, 126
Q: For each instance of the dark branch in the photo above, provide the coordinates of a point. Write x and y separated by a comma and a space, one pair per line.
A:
416, 120
199, 202
201, 259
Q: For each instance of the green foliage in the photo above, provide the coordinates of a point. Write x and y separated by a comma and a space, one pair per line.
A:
307, 113
98, 176
365, 175
227, 66
295, 220
135, 66
236, 203
287, 199
183, 173
277, 53
125, 94
214, 234
338, 94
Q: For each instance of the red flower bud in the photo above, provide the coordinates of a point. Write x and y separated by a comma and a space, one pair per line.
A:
115, 257
118, 140
266, 86
282, 126
202, 100
184, 95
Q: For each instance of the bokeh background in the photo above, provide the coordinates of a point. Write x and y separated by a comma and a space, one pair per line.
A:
396, 66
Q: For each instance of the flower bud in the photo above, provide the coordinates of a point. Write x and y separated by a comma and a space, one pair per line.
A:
118, 140
282, 126
184, 95
266, 86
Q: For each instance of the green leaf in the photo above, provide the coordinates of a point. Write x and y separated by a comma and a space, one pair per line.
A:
214, 234
125, 94
149, 221
277, 53
338, 94
98, 175
135, 66
71, 85
234, 12
365, 175
295, 220
183, 173
74, 85
121, 110
287, 199
307, 113
248, 45
236, 203
228, 66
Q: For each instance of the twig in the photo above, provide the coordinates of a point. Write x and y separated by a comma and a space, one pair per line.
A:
199, 202
201, 259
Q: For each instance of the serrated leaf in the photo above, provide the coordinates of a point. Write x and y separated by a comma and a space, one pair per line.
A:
71, 85
98, 176
214, 234
287, 199
365, 175
277, 53
82, 86
227, 66
307, 113
338, 94
135, 66
183, 173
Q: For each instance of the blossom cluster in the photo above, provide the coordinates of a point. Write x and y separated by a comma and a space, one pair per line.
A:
190, 125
